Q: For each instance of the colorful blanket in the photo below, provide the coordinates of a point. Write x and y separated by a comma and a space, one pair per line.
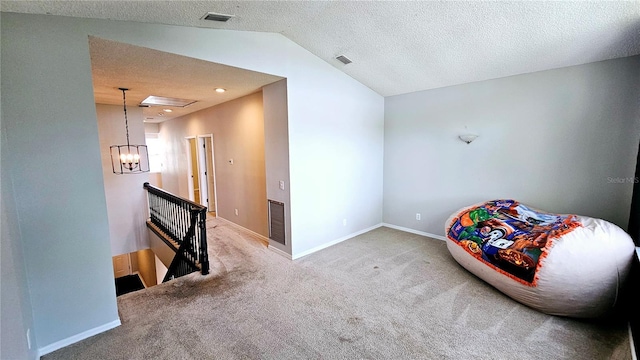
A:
509, 236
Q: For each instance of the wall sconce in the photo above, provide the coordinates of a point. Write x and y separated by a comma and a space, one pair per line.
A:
468, 138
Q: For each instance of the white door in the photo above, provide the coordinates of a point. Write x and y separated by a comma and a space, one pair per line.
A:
202, 172
211, 174
121, 265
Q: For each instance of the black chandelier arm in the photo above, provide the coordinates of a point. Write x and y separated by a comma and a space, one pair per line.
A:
126, 120
131, 166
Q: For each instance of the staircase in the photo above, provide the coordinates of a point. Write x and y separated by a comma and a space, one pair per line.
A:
180, 224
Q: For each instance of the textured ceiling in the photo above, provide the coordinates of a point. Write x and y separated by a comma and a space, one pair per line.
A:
150, 72
404, 46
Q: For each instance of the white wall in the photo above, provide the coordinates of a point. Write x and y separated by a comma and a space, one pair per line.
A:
126, 198
336, 135
237, 127
335, 146
49, 116
276, 152
151, 128
161, 270
554, 140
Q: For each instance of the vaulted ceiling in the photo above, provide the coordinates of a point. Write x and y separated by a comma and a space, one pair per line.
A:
399, 47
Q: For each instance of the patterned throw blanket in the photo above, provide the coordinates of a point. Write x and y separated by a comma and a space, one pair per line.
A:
509, 237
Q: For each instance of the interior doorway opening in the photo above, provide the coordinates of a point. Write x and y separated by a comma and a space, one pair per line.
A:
192, 161
134, 271
201, 170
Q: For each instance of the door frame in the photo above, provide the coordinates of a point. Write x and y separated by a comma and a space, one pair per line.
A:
190, 165
203, 178
202, 153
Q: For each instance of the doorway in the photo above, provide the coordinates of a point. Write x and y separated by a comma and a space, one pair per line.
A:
205, 144
192, 162
201, 170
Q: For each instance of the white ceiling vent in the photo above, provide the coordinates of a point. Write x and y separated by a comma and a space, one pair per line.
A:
217, 17
343, 59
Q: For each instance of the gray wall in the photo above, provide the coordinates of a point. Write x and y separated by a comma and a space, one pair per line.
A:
563, 141
49, 116
335, 147
15, 302
237, 127
276, 152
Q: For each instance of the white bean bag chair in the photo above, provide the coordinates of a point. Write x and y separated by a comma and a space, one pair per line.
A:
564, 265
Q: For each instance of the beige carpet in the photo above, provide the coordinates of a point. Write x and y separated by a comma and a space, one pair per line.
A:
386, 294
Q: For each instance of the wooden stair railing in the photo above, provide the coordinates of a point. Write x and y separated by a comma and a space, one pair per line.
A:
180, 223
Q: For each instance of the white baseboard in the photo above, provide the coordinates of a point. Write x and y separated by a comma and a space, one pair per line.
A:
279, 252
331, 243
262, 237
75, 338
417, 232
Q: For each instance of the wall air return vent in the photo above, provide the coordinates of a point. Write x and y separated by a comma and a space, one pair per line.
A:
216, 17
276, 222
343, 59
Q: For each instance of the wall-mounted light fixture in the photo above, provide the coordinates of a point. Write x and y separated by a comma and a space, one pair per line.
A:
128, 159
468, 138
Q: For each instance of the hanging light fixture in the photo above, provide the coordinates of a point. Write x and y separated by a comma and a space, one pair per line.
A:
128, 159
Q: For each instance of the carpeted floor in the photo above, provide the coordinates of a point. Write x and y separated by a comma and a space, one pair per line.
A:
385, 294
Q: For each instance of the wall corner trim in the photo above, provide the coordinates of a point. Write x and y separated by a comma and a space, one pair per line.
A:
76, 338
632, 345
336, 241
279, 252
417, 232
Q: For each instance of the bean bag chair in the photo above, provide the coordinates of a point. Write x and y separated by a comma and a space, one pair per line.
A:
565, 265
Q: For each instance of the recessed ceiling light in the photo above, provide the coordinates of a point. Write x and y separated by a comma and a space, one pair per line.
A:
166, 101
167, 110
220, 90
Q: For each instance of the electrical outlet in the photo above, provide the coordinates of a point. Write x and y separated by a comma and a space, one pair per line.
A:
236, 211
344, 222
418, 216
281, 185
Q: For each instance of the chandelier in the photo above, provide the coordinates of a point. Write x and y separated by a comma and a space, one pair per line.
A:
128, 159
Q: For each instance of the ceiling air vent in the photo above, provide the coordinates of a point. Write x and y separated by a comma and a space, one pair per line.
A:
217, 17
343, 59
